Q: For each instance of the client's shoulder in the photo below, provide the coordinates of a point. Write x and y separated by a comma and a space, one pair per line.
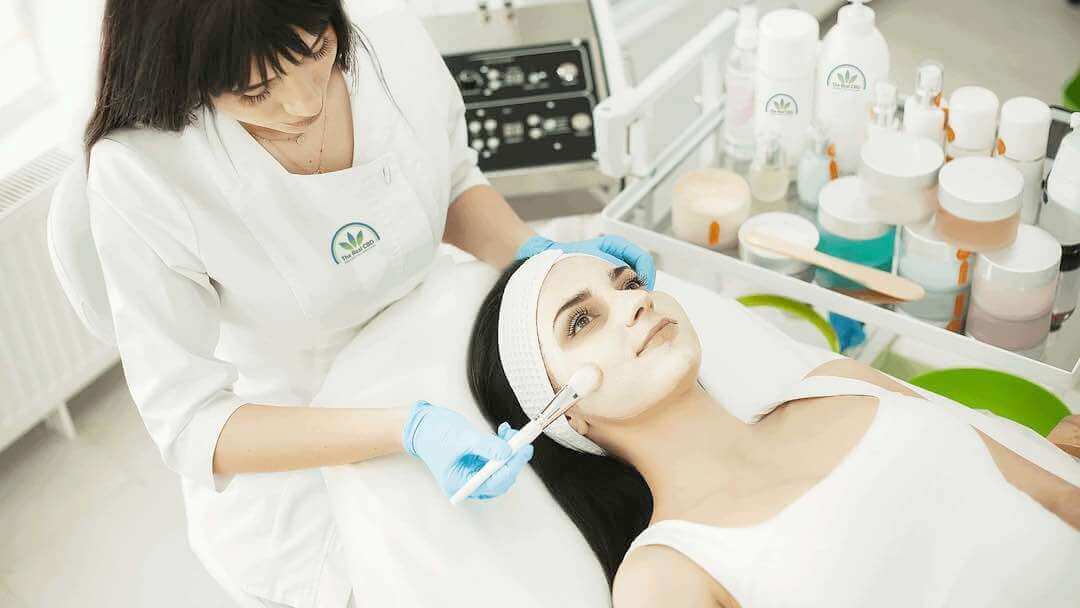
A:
658, 575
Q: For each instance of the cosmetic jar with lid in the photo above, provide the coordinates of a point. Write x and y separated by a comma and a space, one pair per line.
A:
709, 206
781, 225
899, 173
1012, 291
850, 232
972, 122
942, 269
1022, 136
980, 203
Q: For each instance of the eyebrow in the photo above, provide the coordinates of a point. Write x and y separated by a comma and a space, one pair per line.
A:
259, 85
585, 294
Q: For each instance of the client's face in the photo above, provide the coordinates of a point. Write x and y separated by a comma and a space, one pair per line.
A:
592, 313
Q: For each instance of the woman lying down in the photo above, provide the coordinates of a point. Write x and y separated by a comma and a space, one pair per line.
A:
854, 492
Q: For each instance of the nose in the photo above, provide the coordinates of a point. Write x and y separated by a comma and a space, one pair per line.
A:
303, 95
639, 302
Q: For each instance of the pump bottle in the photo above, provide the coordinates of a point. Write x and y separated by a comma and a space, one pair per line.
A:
854, 58
739, 89
922, 114
784, 86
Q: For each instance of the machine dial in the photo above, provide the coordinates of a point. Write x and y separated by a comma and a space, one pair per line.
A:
568, 72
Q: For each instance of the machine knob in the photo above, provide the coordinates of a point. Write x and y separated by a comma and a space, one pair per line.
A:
581, 121
567, 72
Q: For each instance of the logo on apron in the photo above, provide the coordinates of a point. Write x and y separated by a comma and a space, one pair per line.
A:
351, 241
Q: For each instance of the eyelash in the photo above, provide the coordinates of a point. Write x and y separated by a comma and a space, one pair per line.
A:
581, 312
318, 55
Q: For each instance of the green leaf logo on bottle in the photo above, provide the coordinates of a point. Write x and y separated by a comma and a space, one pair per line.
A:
351, 241
782, 104
846, 77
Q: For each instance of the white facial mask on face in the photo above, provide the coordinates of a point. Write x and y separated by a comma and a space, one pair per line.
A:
519, 347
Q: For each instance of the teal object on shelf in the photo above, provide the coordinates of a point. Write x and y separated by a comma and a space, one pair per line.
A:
875, 253
1004, 394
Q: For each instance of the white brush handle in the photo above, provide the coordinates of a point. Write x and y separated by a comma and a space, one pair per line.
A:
524, 437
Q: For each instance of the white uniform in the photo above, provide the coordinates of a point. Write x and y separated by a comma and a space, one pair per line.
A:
232, 281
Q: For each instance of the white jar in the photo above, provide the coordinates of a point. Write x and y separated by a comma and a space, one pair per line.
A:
1022, 136
943, 271
972, 122
899, 173
709, 206
782, 225
980, 203
1018, 283
854, 58
784, 87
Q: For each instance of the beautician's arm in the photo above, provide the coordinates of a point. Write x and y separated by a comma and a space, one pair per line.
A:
482, 223
264, 438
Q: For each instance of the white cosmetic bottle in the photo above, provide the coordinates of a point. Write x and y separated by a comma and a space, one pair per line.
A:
1023, 131
784, 86
739, 89
883, 113
922, 114
1060, 216
854, 58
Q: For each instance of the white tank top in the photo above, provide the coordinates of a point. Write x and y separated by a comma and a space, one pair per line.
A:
916, 514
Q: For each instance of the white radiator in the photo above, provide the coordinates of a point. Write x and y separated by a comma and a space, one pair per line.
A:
46, 356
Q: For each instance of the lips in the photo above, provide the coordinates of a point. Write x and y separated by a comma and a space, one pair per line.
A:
660, 325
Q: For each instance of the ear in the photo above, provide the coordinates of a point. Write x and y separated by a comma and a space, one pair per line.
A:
578, 423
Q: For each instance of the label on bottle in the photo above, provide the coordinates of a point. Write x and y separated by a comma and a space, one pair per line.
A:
846, 77
782, 104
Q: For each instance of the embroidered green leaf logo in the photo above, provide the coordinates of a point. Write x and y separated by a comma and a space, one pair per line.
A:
346, 246
352, 239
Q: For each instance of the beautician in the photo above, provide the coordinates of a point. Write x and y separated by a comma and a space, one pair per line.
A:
263, 179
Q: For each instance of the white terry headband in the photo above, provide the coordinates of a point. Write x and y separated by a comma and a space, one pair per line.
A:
519, 346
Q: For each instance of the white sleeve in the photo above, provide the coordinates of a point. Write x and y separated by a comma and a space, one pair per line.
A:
464, 173
165, 311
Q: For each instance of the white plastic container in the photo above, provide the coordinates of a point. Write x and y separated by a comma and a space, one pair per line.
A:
980, 203
942, 269
709, 207
899, 173
784, 87
781, 225
972, 122
739, 77
1012, 291
854, 58
922, 115
1022, 135
1060, 216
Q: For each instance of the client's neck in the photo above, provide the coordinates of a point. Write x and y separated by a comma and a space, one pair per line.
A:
686, 448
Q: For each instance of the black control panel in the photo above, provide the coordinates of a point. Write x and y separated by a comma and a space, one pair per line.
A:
528, 106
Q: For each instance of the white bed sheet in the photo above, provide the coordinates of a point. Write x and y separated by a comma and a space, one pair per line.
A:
406, 546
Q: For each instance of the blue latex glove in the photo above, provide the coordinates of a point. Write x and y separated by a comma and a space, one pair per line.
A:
614, 249
453, 450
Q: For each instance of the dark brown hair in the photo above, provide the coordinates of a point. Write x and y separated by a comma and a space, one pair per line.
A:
163, 59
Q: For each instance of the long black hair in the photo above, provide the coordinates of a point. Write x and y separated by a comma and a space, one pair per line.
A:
606, 498
163, 59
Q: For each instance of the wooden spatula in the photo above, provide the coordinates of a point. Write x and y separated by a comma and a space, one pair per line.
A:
885, 283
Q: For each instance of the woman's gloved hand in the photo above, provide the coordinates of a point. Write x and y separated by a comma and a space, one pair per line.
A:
454, 449
614, 249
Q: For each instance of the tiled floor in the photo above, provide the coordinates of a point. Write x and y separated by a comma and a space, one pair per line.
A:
98, 521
